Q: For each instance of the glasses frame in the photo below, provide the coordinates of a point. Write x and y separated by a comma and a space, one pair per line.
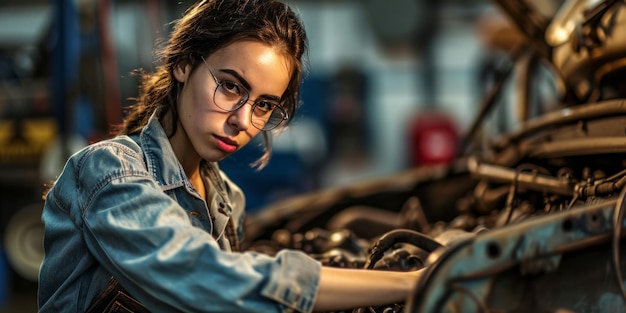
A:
243, 102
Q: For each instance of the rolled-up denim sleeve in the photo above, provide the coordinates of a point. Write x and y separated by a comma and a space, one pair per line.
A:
293, 281
145, 239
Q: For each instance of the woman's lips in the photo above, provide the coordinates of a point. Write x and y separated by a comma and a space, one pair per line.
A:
226, 144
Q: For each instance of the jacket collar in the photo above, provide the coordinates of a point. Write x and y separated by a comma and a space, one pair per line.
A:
159, 155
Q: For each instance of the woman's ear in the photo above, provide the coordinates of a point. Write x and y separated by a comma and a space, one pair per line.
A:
181, 71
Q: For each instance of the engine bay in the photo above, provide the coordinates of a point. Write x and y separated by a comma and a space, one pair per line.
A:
530, 222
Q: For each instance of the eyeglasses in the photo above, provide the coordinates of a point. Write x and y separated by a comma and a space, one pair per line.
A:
230, 96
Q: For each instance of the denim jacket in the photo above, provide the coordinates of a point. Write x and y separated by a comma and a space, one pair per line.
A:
123, 207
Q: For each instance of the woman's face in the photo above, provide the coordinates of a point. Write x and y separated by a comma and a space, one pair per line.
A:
205, 130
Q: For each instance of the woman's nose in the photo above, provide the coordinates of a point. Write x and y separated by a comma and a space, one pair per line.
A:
241, 117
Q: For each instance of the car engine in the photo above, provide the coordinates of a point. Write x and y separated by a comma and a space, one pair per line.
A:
530, 222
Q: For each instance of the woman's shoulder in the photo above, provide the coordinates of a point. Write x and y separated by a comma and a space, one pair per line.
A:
109, 154
97, 164
118, 145
123, 142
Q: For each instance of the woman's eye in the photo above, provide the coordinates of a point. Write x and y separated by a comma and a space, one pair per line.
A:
231, 88
265, 106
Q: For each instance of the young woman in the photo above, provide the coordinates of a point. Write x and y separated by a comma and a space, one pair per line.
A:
150, 214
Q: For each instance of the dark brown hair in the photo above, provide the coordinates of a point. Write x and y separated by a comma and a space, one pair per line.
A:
206, 27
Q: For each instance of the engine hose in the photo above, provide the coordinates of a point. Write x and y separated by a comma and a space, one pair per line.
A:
390, 238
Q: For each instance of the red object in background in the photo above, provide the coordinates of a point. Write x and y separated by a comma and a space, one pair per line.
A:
433, 139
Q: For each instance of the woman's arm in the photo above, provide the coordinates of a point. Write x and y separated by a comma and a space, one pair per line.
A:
341, 289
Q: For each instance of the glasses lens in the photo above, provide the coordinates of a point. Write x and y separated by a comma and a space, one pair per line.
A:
229, 96
267, 115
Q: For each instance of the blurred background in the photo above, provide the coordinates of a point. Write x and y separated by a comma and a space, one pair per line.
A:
391, 85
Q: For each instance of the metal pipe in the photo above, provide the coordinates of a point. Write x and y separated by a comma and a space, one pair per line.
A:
528, 180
